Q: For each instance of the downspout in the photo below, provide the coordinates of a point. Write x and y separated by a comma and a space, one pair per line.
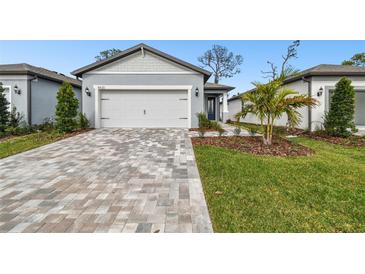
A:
309, 82
29, 101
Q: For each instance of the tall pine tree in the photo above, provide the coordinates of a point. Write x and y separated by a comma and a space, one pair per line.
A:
340, 117
66, 108
4, 109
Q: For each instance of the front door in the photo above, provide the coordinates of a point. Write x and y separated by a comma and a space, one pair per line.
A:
211, 108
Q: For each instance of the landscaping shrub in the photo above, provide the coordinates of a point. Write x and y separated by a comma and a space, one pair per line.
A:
339, 121
221, 131
83, 122
252, 131
205, 123
203, 120
66, 108
47, 125
201, 132
15, 118
4, 110
237, 130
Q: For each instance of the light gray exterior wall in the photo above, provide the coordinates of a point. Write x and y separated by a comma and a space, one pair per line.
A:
317, 112
44, 101
37, 100
19, 101
194, 80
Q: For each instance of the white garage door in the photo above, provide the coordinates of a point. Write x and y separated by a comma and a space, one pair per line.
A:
138, 108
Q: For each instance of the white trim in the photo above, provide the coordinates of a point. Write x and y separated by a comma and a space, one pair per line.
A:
141, 72
10, 97
97, 89
225, 103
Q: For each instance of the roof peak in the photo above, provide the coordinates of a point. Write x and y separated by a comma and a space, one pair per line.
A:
131, 50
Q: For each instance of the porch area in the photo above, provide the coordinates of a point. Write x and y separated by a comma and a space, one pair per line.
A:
215, 101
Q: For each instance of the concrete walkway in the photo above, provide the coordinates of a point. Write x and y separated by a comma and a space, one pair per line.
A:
108, 180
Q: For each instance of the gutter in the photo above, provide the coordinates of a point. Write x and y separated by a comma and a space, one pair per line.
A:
309, 82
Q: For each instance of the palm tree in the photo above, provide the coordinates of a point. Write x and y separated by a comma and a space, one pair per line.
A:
270, 101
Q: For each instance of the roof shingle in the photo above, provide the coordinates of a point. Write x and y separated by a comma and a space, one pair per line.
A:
24, 68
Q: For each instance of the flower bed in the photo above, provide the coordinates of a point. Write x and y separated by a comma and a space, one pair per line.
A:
254, 145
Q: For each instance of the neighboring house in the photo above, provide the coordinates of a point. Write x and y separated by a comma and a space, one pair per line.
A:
144, 87
32, 90
317, 82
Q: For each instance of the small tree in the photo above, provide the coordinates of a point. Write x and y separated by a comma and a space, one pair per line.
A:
340, 117
4, 109
66, 108
270, 102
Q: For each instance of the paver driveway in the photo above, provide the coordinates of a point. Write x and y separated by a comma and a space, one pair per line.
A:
107, 180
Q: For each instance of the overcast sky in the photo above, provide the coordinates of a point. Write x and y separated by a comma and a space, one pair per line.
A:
66, 56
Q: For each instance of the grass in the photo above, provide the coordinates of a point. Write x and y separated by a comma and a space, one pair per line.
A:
321, 193
23, 143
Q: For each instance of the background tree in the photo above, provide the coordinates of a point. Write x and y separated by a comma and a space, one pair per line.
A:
222, 63
357, 60
66, 108
340, 117
285, 68
4, 109
107, 53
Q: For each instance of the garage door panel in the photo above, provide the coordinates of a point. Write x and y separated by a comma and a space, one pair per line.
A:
144, 109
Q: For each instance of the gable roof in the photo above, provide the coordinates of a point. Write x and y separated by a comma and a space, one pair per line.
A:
24, 68
213, 86
320, 70
127, 52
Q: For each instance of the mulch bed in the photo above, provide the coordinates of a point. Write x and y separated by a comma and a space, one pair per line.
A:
254, 145
352, 141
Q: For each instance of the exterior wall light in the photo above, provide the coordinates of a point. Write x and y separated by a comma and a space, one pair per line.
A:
320, 92
17, 90
87, 91
196, 92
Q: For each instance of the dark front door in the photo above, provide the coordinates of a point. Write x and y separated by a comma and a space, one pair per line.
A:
211, 108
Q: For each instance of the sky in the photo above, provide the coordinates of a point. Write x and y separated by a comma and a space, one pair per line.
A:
66, 56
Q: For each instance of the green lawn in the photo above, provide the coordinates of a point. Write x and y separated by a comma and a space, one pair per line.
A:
320, 193
23, 143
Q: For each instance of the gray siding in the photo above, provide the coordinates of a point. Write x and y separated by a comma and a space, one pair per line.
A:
196, 80
43, 99
19, 101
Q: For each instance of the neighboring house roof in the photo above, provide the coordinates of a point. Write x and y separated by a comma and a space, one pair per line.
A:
213, 86
127, 52
320, 70
24, 68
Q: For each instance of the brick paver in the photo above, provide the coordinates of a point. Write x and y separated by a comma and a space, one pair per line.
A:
107, 180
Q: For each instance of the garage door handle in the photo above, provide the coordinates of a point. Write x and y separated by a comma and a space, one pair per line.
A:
144, 112
183, 118
103, 118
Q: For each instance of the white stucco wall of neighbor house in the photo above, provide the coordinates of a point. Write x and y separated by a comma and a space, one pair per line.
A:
328, 83
300, 86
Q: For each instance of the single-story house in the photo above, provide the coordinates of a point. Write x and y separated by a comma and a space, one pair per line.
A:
144, 87
317, 82
32, 90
